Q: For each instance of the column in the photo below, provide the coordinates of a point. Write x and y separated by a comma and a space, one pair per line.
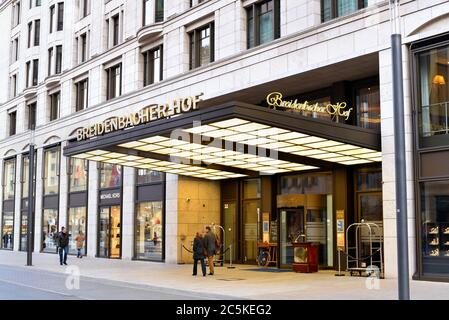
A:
63, 190
128, 197
92, 210
38, 201
172, 252
17, 202
388, 164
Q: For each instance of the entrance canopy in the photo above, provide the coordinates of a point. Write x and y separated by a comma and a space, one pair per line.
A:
233, 140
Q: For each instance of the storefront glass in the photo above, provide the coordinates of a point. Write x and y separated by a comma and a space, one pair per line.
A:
109, 241
149, 231
251, 211
368, 107
110, 176
77, 225
435, 227
306, 215
51, 171
49, 230
24, 196
9, 177
78, 175
433, 108
145, 176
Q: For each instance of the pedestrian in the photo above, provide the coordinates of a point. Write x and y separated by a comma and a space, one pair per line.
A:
63, 245
80, 244
209, 245
198, 254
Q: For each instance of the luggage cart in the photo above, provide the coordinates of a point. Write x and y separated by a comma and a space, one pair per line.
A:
365, 233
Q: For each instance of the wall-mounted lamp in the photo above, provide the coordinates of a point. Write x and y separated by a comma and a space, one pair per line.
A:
439, 80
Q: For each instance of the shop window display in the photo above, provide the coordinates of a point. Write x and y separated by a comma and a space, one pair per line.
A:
78, 175
51, 171
49, 230
9, 180
76, 225
110, 176
9, 177
149, 231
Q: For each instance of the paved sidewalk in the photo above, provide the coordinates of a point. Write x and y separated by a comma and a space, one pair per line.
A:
242, 282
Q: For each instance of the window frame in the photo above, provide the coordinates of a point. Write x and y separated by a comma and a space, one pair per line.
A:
252, 12
194, 43
334, 9
148, 74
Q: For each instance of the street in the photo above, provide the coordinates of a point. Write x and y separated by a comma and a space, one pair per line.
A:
20, 283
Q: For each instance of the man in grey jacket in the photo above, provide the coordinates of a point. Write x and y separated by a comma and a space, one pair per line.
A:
209, 245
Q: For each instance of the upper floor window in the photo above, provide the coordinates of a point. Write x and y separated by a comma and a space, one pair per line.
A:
81, 94
114, 81
32, 73
12, 117
159, 12
331, 9
82, 48
202, 46
368, 107
152, 66
195, 2
13, 86
34, 30
35, 3
55, 101
115, 30
432, 75
263, 22
84, 6
58, 68
60, 22
52, 18
16, 11
31, 116
15, 49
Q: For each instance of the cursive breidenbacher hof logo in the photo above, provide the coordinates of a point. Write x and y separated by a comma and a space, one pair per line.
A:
275, 101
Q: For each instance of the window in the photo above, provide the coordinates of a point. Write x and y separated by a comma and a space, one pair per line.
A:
78, 175
24, 197
27, 73
152, 66
368, 107
81, 95
147, 12
433, 90
49, 230
38, 3
58, 60
149, 231
55, 100
85, 8
52, 18
83, 47
9, 177
15, 50
263, 23
50, 61
16, 14
159, 12
51, 171
35, 72
331, 9
37, 32
13, 86
12, 123
202, 46
30, 33
32, 116
145, 176
115, 30
114, 82
77, 225
110, 176
60, 24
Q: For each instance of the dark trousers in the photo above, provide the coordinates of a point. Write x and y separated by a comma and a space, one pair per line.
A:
195, 266
63, 254
78, 255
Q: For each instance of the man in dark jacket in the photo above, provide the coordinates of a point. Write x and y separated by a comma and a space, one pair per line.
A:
62, 241
198, 254
209, 245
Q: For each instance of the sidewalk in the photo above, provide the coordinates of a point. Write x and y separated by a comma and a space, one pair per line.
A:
244, 282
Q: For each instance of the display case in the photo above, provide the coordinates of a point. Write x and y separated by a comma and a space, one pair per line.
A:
436, 239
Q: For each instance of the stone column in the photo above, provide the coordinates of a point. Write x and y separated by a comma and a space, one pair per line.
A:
92, 210
17, 202
63, 190
388, 164
128, 197
172, 252
38, 201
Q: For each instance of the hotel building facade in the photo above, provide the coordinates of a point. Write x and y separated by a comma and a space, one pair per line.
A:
272, 119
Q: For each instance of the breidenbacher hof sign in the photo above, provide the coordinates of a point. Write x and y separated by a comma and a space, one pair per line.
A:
146, 115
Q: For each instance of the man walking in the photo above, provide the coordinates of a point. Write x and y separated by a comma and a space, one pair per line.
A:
209, 245
63, 244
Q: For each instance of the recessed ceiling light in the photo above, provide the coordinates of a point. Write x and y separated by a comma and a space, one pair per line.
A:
230, 123
132, 144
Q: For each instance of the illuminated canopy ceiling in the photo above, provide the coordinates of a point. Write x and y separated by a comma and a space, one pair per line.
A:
232, 141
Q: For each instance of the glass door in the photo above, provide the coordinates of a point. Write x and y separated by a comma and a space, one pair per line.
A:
251, 210
104, 233
109, 239
292, 231
230, 226
370, 210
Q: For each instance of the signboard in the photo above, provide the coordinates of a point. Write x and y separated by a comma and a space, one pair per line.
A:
340, 228
110, 197
275, 101
148, 114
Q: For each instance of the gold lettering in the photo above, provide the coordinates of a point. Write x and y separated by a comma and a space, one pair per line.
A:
121, 123
79, 134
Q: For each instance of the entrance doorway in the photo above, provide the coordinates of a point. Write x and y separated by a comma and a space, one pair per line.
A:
230, 225
292, 230
109, 238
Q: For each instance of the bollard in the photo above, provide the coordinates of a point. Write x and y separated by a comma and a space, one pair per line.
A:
339, 274
230, 257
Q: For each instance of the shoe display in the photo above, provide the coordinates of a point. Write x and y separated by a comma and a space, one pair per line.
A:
446, 254
434, 242
446, 230
434, 230
434, 253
